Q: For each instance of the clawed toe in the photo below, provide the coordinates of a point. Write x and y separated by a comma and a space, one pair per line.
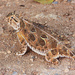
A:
22, 51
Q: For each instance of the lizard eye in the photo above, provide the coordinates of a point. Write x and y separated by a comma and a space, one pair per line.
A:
11, 17
14, 19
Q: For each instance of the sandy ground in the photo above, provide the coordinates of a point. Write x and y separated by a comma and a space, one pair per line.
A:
58, 16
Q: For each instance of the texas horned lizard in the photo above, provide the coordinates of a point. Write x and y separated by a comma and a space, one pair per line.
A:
38, 40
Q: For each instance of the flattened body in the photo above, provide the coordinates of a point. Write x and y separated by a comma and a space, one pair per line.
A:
40, 41
37, 40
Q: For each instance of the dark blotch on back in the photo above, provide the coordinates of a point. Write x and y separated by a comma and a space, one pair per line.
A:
25, 30
43, 36
39, 25
45, 47
22, 41
41, 42
36, 44
53, 44
54, 52
71, 54
33, 29
32, 37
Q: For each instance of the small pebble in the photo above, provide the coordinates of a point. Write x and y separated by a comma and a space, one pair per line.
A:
8, 52
15, 73
33, 57
68, 0
31, 60
56, 74
23, 71
22, 5
56, 2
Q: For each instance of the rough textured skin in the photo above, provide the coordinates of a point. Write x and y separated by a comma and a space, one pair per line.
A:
23, 43
38, 40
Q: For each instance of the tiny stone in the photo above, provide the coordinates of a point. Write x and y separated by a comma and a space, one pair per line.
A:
8, 52
31, 60
14, 73
56, 74
68, 0
22, 5
56, 2
23, 71
33, 57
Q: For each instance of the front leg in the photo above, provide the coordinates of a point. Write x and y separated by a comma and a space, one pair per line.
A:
52, 55
23, 44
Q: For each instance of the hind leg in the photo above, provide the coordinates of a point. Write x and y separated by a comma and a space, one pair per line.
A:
23, 44
52, 56
66, 52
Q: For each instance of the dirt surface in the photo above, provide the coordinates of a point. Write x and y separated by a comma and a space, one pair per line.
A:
59, 16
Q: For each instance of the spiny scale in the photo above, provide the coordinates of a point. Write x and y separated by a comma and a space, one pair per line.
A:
38, 40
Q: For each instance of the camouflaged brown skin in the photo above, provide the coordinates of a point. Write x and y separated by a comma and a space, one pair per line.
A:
44, 43
40, 42
38, 39
23, 45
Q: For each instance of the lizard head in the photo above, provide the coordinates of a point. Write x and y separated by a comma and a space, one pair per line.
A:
13, 20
